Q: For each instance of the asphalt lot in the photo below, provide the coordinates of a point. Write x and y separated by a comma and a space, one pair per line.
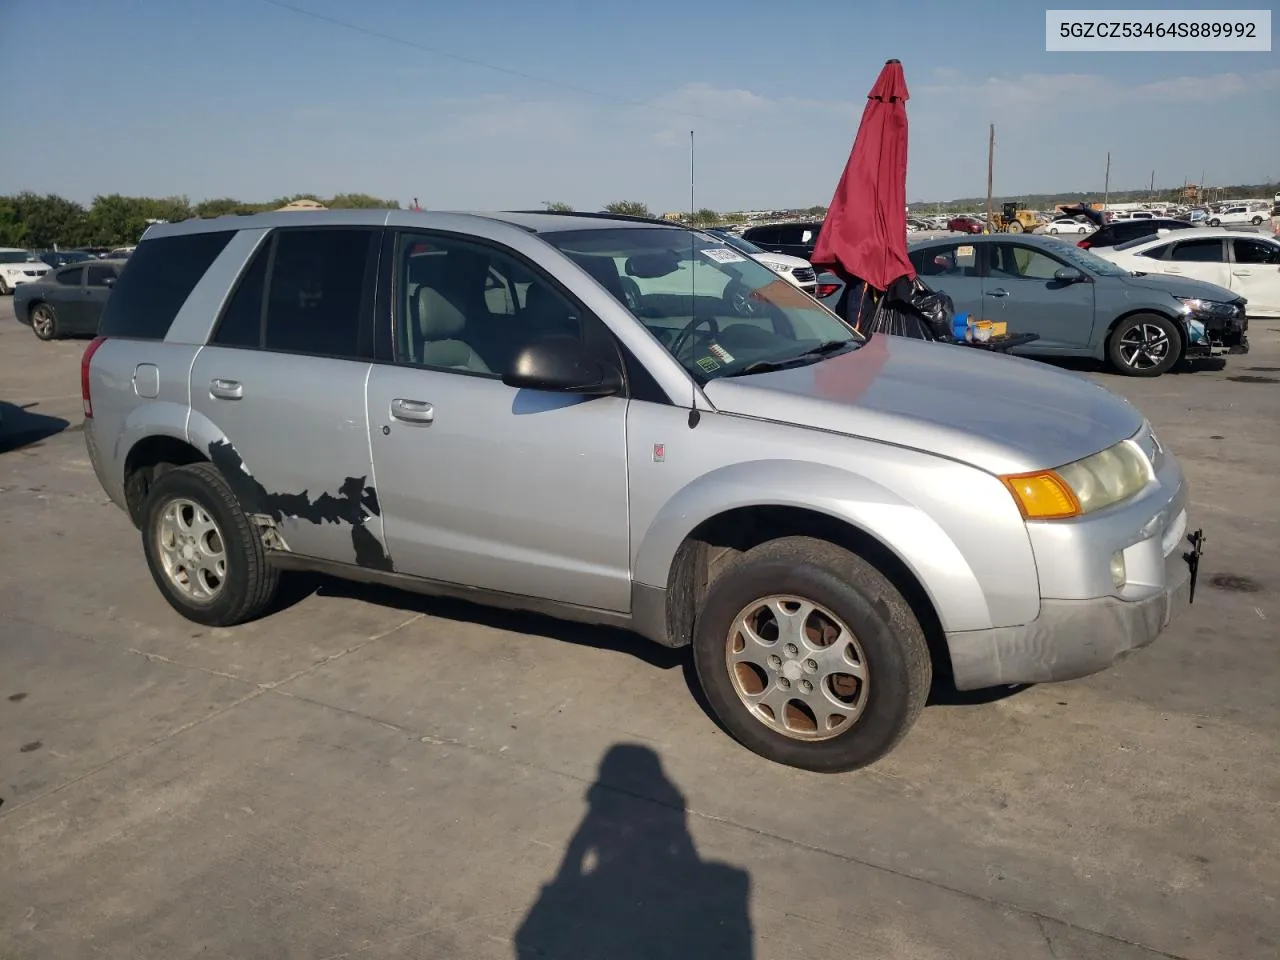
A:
373, 774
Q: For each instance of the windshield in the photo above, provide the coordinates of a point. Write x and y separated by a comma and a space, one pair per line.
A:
718, 312
740, 243
1085, 260
16, 256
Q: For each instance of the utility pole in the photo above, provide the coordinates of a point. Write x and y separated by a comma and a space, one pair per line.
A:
1152, 191
991, 166
1106, 185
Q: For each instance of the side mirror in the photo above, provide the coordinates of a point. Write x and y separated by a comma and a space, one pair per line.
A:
109, 282
1068, 275
561, 365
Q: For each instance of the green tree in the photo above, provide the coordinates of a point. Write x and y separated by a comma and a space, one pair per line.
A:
359, 201
815, 211
31, 220
558, 206
705, 217
225, 206
628, 208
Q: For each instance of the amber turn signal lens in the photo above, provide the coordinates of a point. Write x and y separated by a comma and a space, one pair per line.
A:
1042, 496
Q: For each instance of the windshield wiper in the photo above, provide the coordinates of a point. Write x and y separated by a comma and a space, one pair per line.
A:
764, 366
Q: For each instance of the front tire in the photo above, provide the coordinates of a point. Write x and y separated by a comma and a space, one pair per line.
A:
1215, 222
4, 288
1144, 345
1014, 227
1053, 230
1256, 221
44, 321
205, 556
810, 657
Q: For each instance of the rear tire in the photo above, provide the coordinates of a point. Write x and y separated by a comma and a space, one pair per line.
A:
1256, 221
1144, 345
4, 288
858, 622
214, 524
1053, 230
44, 321
1215, 222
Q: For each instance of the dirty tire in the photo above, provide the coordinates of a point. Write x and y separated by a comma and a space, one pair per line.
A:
4, 288
250, 583
1115, 344
44, 321
892, 642
1256, 221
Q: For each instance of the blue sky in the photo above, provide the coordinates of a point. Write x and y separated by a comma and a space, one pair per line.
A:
242, 98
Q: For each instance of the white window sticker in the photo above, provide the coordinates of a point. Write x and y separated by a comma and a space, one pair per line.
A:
723, 255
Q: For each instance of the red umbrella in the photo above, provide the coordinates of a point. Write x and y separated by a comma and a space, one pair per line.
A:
865, 234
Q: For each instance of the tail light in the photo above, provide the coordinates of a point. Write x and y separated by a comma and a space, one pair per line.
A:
1083, 244
825, 290
89, 351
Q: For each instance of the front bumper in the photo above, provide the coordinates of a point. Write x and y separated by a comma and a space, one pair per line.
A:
1222, 335
1070, 638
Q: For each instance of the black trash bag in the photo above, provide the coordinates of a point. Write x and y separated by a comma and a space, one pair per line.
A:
909, 308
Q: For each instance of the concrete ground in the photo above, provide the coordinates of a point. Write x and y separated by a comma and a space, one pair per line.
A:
372, 774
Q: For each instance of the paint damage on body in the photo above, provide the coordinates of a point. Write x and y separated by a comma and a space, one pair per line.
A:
355, 504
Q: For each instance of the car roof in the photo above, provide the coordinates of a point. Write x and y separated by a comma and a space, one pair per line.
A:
1030, 239
533, 222
1195, 233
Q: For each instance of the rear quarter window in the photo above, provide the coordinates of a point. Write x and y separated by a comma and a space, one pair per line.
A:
156, 282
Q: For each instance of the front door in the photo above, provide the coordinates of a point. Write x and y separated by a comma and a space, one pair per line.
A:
512, 490
282, 387
1255, 274
66, 296
1200, 258
1020, 288
98, 280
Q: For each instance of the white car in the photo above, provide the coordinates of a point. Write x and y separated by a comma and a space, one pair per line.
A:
19, 266
797, 270
1246, 264
1068, 225
1237, 214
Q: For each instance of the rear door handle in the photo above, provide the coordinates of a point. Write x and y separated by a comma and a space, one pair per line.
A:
998, 292
226, 389
412, 411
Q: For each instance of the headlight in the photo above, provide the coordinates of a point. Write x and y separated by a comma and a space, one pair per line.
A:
1208, 308
779, 267
1096, 482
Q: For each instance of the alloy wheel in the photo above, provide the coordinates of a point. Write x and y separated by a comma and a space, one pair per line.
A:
1144, 346
797, 667
42, 322
192, 550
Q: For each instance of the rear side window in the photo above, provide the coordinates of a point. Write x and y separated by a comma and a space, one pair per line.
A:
156, 283
306, 291
1198, 251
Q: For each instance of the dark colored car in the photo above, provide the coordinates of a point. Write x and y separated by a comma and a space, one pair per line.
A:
68, 300
1122, 231
793, 239
964, 225
60, 258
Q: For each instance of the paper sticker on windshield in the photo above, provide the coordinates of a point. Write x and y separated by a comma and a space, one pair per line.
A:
708, 365
720, 353
723, 255
964, 251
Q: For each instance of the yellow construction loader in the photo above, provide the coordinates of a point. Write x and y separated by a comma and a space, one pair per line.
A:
1013, 220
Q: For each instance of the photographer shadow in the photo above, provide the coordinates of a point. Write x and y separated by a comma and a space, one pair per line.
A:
631, 885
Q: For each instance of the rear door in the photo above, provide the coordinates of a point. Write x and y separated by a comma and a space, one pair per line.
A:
514, 490
1255, 273
99, 278
1020, 288
281, 388
952, 268
1200, 258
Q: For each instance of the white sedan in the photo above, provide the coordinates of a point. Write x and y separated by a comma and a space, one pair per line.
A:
1246, 264
1069, 225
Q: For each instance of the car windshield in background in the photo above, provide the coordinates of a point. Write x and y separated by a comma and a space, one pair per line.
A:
738, 243
1135, 242
717, 311
16, 256
1090, 261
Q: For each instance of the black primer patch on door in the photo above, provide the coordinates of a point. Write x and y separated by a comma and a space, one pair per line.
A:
354, 504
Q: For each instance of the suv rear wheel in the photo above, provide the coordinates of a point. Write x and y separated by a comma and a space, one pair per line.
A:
204, 554
810, 657
1144, 345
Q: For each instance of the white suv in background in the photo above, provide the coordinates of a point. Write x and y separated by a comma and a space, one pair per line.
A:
1237, 214
19, 266
797, 270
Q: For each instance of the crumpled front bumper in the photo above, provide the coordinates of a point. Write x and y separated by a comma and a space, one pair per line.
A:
1070, 638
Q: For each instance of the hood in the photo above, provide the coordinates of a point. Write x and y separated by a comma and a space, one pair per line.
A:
1183, 287
782, 259
999, 413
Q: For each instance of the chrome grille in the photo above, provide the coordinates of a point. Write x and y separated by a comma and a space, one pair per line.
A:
804, 275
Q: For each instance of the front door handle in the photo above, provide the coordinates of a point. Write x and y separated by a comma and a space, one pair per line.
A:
226, 389
412, 411
1242, 273
998, 292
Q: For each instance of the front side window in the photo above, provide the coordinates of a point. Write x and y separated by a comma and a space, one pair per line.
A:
1256, 251
1198, 251
471, 308
1012, 261
100, 276
716, 310
72, 277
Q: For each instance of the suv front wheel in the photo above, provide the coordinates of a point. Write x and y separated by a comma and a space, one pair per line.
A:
810, 657
204, 553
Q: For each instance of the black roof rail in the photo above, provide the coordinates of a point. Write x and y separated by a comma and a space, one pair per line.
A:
602, 215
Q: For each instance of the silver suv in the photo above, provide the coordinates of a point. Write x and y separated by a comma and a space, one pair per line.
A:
627, 423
